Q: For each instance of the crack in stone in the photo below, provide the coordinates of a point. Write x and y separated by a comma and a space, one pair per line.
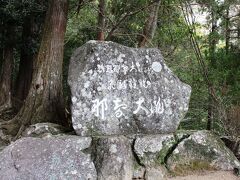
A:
14, 163
135, 154
137, 123
172, 148
93, 152
137, 158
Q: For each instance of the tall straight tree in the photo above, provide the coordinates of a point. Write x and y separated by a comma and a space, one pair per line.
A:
150, 25
24, 77
212, 55
45, 102
227, 29
6, 70
101, 20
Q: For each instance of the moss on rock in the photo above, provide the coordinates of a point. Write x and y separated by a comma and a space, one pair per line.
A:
202, 150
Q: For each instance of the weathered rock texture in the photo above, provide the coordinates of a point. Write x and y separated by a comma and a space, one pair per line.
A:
184, 151
138, 171
152, 149
202, 149
120, 90
152, 152
48, 158
44, 129
113, 158
156, 173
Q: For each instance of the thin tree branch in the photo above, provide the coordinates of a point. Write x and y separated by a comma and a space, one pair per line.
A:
124, 17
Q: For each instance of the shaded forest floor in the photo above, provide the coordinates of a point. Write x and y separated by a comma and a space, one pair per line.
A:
7, 115
211, 175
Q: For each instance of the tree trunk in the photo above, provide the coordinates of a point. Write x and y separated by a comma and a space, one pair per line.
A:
227, 33
212, 49
6, 71
210, 111
101, 20
150, 25
24, 77
1, 43
45, 102
213, 40
26, 63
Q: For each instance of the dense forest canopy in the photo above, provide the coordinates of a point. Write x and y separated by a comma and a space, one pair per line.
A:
200, 41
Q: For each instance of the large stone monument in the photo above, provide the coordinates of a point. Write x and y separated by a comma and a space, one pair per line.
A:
117, 90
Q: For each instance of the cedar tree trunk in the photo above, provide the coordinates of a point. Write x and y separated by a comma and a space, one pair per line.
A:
6, 71
45, 102
150, 25
101, 20
24, 76
227, 29
212, 49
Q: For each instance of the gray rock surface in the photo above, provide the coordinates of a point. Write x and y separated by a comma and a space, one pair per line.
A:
156, 173
152, 149
47, 159
113, 158
202, 149
120, 90
138, 172
43, 129
184, 151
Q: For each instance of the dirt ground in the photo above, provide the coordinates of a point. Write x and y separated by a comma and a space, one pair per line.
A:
215, 175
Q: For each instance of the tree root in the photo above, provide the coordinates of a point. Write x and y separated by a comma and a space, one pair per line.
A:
19, 133
5, 107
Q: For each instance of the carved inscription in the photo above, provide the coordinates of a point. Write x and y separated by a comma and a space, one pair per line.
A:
100, 107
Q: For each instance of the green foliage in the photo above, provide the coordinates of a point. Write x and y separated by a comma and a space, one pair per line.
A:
80, 29
227, 73
15, 10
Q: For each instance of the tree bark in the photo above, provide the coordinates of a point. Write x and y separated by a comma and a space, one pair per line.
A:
24, 76
212, 49
213, 40
6, 71
45, 102
1, 43
227, 33
150, 25
101, 20
210, 112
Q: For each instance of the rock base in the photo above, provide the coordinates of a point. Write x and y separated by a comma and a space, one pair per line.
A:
149, 157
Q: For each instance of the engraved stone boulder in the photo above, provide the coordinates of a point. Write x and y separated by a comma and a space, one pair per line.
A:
117, 90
